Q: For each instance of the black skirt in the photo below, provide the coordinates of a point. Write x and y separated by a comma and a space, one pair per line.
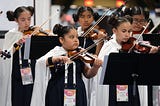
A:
21, 94
56, 86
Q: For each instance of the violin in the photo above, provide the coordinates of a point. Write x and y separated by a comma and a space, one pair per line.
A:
83, 54
40, 32
79, 53
132, 45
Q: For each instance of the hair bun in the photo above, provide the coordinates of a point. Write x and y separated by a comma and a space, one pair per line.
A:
112, 20
31, 9
96, 16
75, 17
10, 15
57, 29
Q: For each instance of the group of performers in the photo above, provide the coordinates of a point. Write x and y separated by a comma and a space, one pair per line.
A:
69, 75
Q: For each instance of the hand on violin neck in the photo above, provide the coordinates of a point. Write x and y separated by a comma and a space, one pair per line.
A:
98, 34
154, 49
97, 63
94, 69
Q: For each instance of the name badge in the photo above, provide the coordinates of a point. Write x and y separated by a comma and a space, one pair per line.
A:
69, 97
26, 76
122, 93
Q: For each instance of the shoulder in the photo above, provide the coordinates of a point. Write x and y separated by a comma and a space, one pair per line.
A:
108, 43
107, 48
12, 32
56, 51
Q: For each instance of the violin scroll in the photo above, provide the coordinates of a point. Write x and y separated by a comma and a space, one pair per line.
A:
5, 54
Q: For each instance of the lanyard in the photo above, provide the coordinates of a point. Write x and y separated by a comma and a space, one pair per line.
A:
74, 73
20, 59
84, 43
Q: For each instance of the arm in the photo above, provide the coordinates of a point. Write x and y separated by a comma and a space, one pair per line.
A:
56, 59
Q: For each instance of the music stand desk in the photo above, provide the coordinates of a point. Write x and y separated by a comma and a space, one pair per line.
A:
121, 67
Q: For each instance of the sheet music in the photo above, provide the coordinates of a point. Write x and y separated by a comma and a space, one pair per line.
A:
104, 66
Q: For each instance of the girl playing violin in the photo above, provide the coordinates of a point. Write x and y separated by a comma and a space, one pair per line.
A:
19, 75
140, 20
122, 27
139, 26
65, 75
86, 17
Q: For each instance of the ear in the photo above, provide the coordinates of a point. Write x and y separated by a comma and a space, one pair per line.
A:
16, 20
61, 40
114, 30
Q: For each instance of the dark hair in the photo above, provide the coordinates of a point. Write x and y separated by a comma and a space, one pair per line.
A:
12, 15
117, 21
81, 10
61, 30
137, 10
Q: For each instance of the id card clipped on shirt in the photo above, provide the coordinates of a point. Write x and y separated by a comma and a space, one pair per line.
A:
122, 93
70, 94
69, 97
26, 76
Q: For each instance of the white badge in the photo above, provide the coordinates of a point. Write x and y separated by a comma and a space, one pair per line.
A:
26, 76
122, 93
69, 97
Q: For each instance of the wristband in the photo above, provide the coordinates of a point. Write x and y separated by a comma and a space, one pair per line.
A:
50, 63
16, 46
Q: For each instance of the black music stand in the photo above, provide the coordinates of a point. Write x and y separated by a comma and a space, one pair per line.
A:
131, 69
40, 45
154, 38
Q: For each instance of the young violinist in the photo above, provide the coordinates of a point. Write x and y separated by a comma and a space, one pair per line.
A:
140, 24
122, 28
86, 18
140, 18
56, 73
18, 73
